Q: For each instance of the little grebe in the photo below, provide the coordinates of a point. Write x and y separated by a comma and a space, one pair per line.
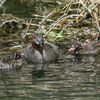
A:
40, 51
88, 47
37, 52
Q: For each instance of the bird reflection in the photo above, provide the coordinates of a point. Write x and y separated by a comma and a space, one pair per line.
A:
77, 58
39, 70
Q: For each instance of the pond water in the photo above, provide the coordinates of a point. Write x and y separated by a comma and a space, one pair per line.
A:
65, 80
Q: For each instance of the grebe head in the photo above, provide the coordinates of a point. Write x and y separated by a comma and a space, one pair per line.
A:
37, 41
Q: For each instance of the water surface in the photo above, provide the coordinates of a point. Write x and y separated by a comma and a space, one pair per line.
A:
66, 80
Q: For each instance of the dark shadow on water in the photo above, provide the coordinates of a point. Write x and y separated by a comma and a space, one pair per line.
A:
38, 73
39, 70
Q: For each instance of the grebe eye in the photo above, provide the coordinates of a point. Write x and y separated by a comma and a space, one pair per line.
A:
37, 42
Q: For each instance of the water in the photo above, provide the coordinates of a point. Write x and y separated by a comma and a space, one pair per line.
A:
68, 80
